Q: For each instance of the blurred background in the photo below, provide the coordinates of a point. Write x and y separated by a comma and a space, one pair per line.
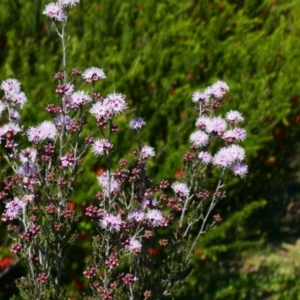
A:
158, 53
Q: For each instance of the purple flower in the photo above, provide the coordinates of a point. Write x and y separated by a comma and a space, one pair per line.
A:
100, 147
93, 74
240, 169
137, 123
147, 152
60, 120
55, 11
234, 117
13, 207
68, 160
14, 116
148, 203
111, 222
27, 169
205, 157
155, 217
199, 138
180, 189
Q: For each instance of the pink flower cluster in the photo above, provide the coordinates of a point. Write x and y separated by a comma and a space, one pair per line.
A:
212, 127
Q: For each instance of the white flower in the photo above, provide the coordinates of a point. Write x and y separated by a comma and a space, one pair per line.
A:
101, 147
79, 98
10, 85
134, 246
45, 130
28, 154
55, 11
93, 74
108, 183
116, 102
111, 222
9, 127
180, 188
155, 217
205, 157
147, 152
217, 125
68, 3
234, 117
200, 97
199, 138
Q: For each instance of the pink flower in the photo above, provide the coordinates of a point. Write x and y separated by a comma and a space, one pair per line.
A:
134, 246
199, 138
234, 117
112, 105
219, 89
226, 156
14, 128
45, 130
108, 183
202, 122
55, 11
180, 189
200, 97
78, 99
10, 85
13, 208
155, 217
16, 248
99, 110
28, 154
217, 125
147, 152
236, 134
137, 216
100, 147
93, 74
205, 157
111, 222
116, 102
